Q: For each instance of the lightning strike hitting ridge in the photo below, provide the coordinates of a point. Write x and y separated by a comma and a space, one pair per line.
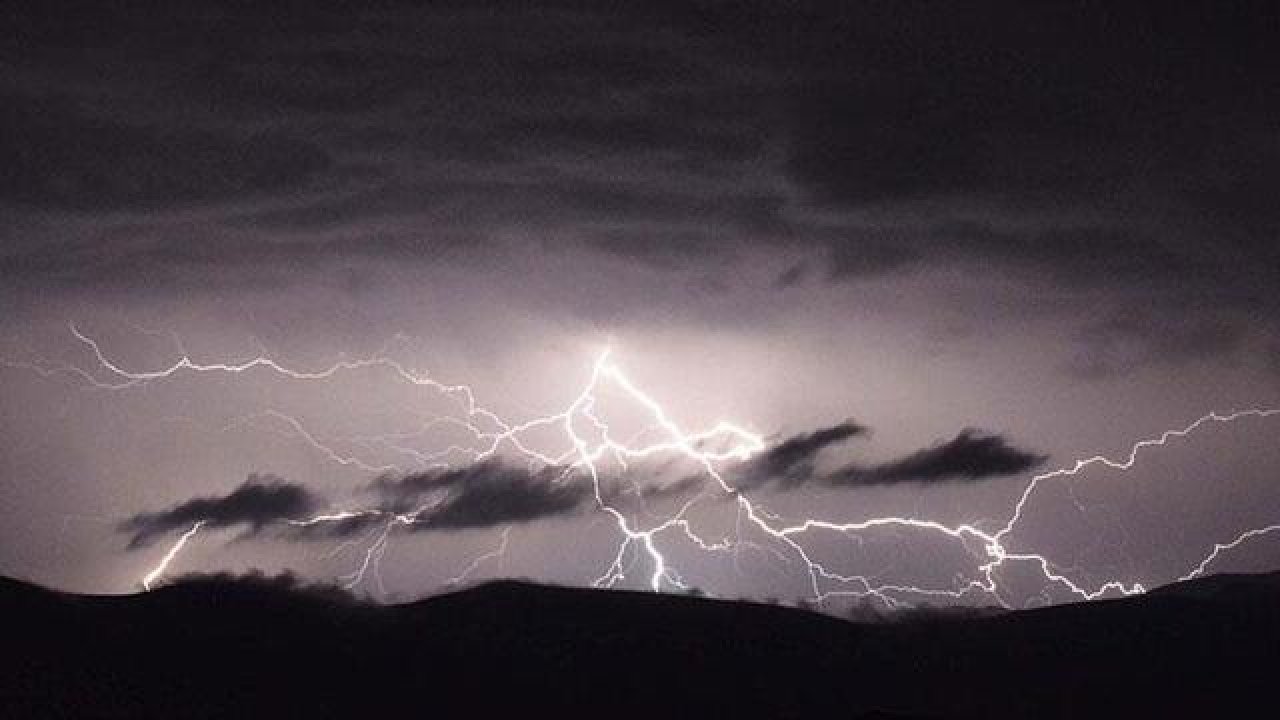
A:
590, 442
163, 566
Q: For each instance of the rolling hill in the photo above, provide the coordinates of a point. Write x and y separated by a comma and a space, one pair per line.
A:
227, 648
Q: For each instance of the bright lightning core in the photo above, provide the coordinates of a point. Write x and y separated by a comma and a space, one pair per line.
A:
584, 440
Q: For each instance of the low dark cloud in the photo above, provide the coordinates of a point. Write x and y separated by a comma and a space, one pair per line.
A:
486, 494
284, 582
791, 462
495, 492
258, 502
971, 455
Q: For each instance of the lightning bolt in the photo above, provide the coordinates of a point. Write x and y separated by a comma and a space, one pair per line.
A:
163, 566
590, 442
1219, 547
475, 564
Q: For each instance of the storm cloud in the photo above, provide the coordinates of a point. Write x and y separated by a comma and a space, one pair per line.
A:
485, 494
61, 158
876, 140
257, 503
970, 455
791, 462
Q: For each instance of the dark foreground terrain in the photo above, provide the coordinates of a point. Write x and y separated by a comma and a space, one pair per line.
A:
1210, 648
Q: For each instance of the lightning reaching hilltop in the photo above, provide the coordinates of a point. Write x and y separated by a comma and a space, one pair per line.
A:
475, 564
590, 448
164, 563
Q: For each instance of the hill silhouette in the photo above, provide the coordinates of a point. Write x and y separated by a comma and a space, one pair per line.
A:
224, 647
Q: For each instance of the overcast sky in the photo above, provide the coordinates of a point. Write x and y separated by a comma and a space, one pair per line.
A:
923, 250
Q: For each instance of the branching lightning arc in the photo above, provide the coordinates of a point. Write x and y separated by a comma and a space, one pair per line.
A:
588, 443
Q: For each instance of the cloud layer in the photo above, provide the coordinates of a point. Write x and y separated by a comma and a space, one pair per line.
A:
1106, 154
485, 494
971, 455
257, 503
495, 492
937, 134
791, 462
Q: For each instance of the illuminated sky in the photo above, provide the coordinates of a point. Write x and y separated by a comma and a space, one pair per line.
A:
1029, 236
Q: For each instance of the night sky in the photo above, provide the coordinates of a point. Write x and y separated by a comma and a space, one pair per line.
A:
915, 253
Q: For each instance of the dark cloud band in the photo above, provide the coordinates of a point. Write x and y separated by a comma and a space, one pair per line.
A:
791, 462
260, 501
971, 455
486, 494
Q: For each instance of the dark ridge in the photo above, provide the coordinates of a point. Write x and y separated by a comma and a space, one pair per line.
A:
1214, 585
226, 647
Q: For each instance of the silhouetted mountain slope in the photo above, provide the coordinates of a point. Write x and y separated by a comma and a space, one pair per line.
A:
234, 649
